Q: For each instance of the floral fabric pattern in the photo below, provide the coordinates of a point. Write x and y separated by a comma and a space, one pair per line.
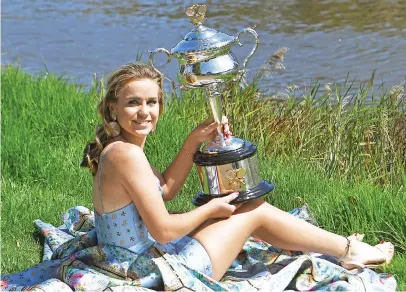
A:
73, 261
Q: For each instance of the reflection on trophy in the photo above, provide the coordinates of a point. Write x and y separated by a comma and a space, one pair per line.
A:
206, 61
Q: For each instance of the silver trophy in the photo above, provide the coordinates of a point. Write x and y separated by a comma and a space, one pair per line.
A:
206, 61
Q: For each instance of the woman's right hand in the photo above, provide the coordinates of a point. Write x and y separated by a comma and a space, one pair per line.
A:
221, 207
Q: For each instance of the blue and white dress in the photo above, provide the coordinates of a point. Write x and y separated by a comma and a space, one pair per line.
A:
125, 228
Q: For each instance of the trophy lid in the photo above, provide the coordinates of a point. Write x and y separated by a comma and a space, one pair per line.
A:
201, 38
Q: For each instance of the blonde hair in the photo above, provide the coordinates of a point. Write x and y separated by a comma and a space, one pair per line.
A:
115, 83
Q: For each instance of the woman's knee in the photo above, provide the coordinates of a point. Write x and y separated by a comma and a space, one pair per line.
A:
251, 206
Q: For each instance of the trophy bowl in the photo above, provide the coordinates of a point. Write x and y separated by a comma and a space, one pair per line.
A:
213, 71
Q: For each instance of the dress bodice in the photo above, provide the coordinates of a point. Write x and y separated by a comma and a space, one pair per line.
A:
123, 227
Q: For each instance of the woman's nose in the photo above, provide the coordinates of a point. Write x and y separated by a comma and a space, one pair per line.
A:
143, 110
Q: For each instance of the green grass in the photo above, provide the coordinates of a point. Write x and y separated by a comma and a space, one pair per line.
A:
46, 122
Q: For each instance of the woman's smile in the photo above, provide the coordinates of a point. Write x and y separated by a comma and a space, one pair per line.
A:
142, 123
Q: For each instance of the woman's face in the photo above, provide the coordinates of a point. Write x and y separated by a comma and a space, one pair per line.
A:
137, 107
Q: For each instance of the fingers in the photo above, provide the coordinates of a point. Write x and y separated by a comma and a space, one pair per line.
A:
226, 131
225, 126
213, 126
237, 206
227, 134
209, 121
231, 197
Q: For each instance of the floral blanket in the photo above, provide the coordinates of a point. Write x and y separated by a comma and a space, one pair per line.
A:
73, 261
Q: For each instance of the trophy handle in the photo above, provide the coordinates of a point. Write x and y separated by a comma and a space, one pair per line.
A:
237, 39
151, 62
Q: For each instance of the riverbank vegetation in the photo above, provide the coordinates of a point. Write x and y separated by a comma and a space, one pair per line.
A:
343, 155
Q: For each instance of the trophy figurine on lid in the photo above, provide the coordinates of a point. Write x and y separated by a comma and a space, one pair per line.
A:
206, 61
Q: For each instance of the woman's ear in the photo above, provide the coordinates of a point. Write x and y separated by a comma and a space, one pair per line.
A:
112, 110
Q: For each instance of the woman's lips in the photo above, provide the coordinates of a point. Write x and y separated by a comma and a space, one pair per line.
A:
143, 123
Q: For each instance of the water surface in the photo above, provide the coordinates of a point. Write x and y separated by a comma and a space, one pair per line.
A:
326, 39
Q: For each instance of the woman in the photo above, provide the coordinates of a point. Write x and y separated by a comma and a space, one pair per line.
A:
129, 193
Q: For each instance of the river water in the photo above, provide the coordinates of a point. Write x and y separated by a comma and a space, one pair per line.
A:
326, 39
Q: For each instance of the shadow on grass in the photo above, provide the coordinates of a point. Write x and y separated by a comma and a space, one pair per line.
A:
39, 239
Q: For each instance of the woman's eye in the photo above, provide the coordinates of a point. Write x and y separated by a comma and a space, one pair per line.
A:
152, 102
133, 102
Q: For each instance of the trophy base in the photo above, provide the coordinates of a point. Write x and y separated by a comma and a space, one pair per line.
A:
260, 190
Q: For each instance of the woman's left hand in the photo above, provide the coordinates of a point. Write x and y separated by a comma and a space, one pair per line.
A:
207, 131
225, 127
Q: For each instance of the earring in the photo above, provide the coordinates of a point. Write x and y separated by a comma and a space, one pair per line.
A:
115, 129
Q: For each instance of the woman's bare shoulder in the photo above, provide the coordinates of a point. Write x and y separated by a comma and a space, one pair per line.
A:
125, 152
124, 161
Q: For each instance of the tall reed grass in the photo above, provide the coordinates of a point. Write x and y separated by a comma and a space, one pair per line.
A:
354, 136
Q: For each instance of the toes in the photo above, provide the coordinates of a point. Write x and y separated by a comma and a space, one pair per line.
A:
387, 249
391, 249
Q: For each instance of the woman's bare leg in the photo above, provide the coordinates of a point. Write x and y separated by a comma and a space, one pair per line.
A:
223, 239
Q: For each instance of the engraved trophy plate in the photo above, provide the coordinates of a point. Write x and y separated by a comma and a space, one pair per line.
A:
205, 60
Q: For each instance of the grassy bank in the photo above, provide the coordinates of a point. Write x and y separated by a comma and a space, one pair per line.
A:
46, 122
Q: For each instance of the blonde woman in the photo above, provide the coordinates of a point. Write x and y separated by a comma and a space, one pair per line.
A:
129, 193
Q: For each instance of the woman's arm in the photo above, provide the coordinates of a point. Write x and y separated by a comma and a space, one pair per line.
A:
138, 179
173, 178
176, 173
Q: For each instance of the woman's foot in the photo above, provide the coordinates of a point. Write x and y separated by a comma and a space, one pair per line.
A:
362, 255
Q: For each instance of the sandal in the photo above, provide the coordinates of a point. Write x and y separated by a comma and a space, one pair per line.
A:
356, 236
346, 258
